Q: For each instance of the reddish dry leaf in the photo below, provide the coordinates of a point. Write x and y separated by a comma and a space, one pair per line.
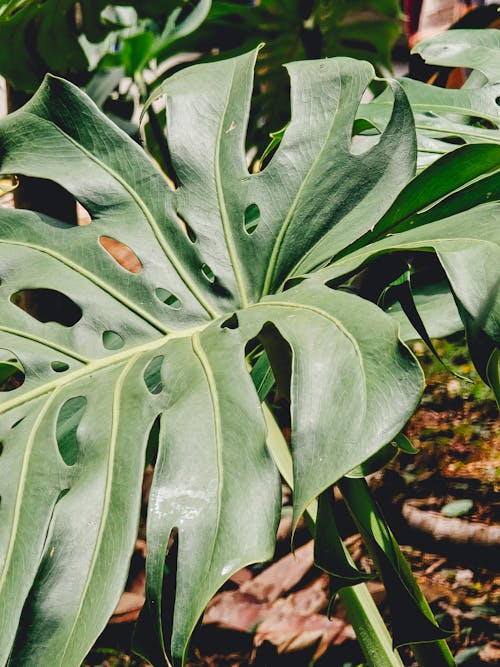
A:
235, 610
293, 623
128, 608
242, 576
133, 598
490, 654
280, 577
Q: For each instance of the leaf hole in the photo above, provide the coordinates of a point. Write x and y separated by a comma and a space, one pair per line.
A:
17, 423
63, 493
456, 141
152, 447
231, 322
59, 366
252, 218
48, 305
12, 373
82, 215
293, 282
168, 298
122, 254
1, 448
112, 340
362, 143
68, 420
497, 101
483, 123
152, 375
187, 229
208, 274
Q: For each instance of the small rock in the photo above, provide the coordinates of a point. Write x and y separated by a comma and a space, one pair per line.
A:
464, 577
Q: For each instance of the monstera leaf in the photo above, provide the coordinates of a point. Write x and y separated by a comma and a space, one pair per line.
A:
445, 118
160, 304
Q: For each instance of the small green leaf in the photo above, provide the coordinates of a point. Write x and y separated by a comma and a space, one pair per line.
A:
467, 654
457, 507
404, 444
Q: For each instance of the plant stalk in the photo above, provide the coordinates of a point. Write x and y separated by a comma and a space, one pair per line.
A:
371, 631
366, 512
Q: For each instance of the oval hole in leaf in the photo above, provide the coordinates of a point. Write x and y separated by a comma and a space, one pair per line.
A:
48, 305
231, 322
68, 420
484, 123
252, 218
17, 423
293, 282
122, 254
1, 448
455, 141
61, 495
12, 373
59, 366
188, 230
208, 274
153, 443
152, 375
112, 340
168, 298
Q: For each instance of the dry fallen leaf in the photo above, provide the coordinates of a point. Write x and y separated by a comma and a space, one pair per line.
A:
282, 576
293, 623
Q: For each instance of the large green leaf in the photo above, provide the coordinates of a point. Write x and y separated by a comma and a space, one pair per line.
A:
467, 246
166, 340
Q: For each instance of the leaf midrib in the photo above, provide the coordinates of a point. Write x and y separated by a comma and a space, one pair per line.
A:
226, 223
212, 388
46, 343
130, 305
20, 491
289, 217
167, 250
117, 393
92, 367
